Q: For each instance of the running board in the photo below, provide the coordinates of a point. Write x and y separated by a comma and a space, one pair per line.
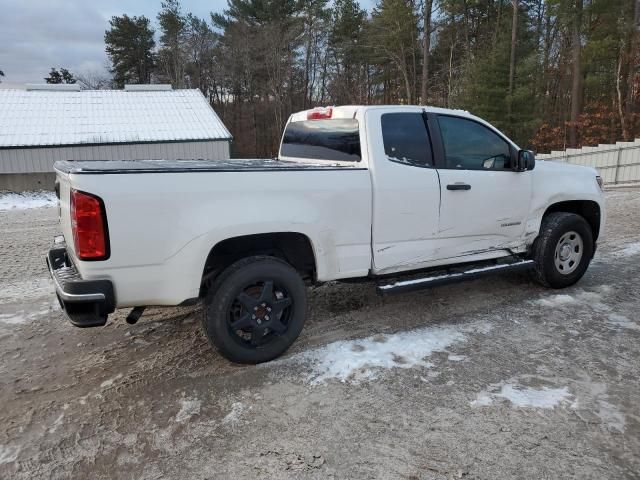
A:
435, 281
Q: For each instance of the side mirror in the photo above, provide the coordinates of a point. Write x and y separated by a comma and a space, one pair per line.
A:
526, 161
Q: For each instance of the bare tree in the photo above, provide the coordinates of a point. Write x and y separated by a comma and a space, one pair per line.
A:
576, 80
94, 80
426, 46
512, 59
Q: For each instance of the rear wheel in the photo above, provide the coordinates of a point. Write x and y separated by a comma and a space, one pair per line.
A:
255, 309
563, 249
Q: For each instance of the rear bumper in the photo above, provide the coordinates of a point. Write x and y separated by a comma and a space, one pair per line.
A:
87, 303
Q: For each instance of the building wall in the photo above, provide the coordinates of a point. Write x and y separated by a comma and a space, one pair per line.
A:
616, 164
32, 160
20, 182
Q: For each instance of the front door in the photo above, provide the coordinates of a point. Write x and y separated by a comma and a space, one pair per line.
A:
484, 203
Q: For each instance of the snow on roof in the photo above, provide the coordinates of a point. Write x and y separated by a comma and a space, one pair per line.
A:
47, 118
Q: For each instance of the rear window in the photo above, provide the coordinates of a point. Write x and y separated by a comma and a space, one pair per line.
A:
406, 139
332, 139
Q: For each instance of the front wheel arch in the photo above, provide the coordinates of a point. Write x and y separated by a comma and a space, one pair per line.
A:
587, 209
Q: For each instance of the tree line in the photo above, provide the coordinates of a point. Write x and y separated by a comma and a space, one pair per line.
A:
550, 73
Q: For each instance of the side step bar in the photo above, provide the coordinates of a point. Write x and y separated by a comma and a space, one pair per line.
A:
435, 281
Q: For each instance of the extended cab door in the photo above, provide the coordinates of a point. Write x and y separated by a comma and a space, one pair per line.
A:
406, 189
484, 203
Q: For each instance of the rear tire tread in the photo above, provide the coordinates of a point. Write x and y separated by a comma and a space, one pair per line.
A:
213, 320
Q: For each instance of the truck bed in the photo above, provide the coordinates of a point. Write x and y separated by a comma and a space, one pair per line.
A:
99, 167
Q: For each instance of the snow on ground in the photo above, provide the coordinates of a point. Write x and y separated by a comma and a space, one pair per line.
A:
556, 300
188, 408
27, 200
109, 383
524, 397
56, 423
12, 319
617, 320
233, 417
22, 317
364, 359
8, 454
628, 250
28, 289
593, 299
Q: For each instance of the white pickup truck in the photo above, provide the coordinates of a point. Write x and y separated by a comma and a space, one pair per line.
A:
406, 196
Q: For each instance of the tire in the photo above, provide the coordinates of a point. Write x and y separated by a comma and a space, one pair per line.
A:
563, 249
255, 309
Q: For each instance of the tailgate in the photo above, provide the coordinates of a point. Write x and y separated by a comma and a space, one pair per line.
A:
63, 190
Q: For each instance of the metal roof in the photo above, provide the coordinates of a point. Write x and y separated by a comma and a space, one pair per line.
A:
56, 118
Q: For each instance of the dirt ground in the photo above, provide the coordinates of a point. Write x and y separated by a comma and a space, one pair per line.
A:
495, 379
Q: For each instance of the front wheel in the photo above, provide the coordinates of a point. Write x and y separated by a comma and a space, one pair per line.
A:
563, 249
255, 309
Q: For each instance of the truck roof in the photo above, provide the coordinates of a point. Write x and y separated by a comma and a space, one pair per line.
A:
350, 111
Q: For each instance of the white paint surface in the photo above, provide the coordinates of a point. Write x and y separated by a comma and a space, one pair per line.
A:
27, 200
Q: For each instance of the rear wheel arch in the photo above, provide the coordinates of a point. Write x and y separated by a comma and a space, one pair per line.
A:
294, 248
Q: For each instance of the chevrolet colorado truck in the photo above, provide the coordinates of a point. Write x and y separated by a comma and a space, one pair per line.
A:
408, 197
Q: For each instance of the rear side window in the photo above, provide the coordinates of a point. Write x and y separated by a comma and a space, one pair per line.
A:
468, 145
331, 139
406, 139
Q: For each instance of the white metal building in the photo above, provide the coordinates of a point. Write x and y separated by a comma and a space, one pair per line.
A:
616, 163
46, 123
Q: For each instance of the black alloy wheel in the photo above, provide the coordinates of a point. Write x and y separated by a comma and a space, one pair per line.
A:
255, 309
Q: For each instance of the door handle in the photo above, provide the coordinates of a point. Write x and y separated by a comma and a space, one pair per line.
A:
458, 186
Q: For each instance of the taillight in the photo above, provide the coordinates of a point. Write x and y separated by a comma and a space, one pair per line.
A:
89, 226
320, 113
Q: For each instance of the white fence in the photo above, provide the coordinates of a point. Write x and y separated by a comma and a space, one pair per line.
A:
619, 163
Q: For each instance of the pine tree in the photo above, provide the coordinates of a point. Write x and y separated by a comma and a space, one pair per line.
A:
392, 39
346, 51
172, 56
129, 45
61, 76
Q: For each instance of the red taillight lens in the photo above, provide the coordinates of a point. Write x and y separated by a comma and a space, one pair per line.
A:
320, 113
89, 226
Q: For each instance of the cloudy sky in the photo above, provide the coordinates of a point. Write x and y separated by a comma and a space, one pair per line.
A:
36, 35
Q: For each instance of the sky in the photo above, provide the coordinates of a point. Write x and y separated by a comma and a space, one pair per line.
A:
36, 35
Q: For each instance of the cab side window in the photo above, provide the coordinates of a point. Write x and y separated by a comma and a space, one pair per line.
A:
406, 139
469, 145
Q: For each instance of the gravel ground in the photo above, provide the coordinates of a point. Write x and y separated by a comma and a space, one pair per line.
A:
496, 378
